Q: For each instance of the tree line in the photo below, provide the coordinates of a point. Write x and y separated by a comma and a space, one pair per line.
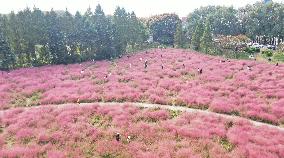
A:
34, 37
263, 22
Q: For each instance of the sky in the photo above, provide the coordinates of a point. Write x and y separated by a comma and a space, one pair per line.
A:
142, 8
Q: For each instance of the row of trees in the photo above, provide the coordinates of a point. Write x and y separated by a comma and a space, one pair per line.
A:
33, 38
262, 21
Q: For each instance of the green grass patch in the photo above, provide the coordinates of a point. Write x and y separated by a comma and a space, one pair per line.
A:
226, 144
20, 100
101, 121
174, 113
278, 57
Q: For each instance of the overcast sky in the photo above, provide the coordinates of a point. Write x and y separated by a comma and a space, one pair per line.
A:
141, 7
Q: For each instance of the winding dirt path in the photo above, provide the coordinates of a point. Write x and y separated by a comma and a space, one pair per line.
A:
148, 105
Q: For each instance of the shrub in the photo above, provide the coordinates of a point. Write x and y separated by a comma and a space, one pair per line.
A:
279, 56
267, 53
252, 50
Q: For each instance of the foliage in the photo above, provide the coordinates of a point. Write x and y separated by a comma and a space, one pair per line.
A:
179, 38
7, 58
103, 32
197, 35
163, 28
252, 50
35, 38
206, 39
267, 53
223, 20
264, 19
278, 56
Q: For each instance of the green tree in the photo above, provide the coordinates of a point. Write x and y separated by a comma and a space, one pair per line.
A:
103, 35
56, 44
67, 23
264, 21
179, 37
7, 58
196, 37
39, 38
163, 28
137, 31
206, 39
121, 30
224, 20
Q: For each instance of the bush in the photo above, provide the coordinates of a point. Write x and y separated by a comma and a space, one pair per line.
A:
267, 53
251, 50
279, 56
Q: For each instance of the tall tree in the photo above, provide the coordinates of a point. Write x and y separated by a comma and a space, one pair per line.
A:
206, 39
121, 28
137, 31
224, 20
103, 35
56, 44
179, 37
163, 28
7, 58
67, 24
196, 37
39, 38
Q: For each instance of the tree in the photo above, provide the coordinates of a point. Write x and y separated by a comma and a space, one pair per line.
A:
7, 58
263, 21
121, 30
196, 37
224, 20
179, 37
137, 31
206, 39
38, 37
103, 35
56, 44
67, 24
163, 28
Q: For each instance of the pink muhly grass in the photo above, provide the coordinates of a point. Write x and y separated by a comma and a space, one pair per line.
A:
109, 147
55, 154
147, 154
43, 138
222, 105
186, 153
24, 133
278, 108
255, 151
17, 151
157, 114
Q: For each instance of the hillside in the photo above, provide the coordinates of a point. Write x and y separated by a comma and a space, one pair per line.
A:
239, 87
62, 125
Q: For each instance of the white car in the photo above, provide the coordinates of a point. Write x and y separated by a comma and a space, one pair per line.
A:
249, 44
257, 45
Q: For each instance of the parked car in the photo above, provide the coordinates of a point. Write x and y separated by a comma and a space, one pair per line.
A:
255, 45
249, 44
273, 47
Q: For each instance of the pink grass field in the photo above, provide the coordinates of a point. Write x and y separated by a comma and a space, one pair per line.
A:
223, 87
89, 131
